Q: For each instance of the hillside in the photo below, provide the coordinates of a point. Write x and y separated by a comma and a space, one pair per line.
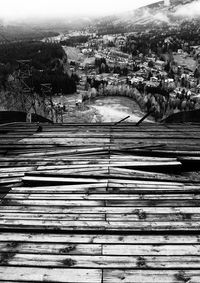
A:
25, 69
158, 14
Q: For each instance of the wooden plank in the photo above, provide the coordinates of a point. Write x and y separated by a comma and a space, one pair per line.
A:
100, 225
65, 275
4, 181
32, 162
129, 183
58, 216
50, 248
67, 141
12, 175
94, 138
81, 173
103, 159
109, 217
141, 189
153, 202
52, 225
129, 127
41, 179
96, 171
95, 249
170, 151
141, 215
150, 135
16, 169
88, 261
76, 150
71, 158
141, 239
145, 183
101, 135
148, 139
119, 182
80, 188
116, 203
63, 203
75, 189
158, 249
153, 226
135, 164
94, 196
138, 174
151, 276
101, 209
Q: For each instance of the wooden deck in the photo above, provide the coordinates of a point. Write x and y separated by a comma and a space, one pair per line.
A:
100, 203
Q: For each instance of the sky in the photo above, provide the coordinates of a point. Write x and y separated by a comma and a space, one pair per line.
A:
25, 9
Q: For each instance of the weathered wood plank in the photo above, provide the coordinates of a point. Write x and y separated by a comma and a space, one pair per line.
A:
101, 209
109, 217
99, 225
80, 188
141, 189
131, 164
140, 239
117, 203
94, 196
50, 248
6, 181
41, 179
59, 216
95, 261
70, 151
152, 202
16, 169
112, 188
101, 134
151, 276
12, 175
67, 203
158, 249
69, 275
70, 158
95, 249
141, 215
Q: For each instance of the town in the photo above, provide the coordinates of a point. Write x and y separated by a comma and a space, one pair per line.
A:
159, 70
152, 69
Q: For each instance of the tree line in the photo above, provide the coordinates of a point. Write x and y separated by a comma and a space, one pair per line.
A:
47, 62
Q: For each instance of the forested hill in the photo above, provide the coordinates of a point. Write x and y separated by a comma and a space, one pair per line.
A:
41, 54
46, 62
23, 32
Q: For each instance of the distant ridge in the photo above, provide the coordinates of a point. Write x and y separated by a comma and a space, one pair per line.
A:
155, 14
